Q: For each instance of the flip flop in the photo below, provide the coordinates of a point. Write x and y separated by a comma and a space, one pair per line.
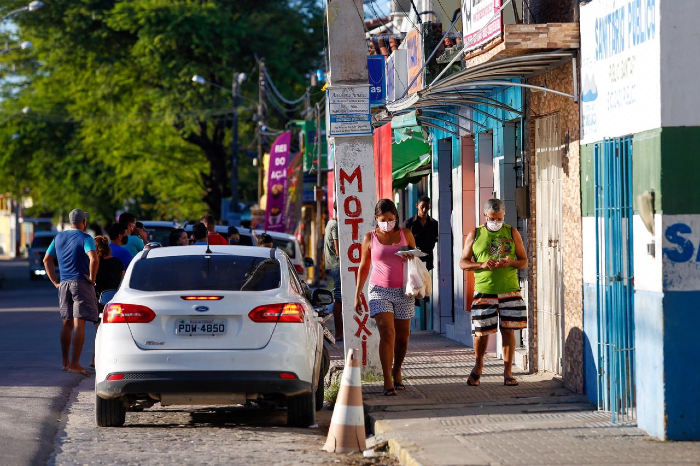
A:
476, 378
390, 391
508, 382
398, 386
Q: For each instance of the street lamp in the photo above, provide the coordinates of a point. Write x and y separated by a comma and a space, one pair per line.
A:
237, 80
24, 111
22, 46
33, 6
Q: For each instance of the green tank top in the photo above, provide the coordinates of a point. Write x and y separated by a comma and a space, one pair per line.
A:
495, 245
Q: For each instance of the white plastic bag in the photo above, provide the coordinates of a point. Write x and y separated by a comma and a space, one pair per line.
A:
427, 279
413, 278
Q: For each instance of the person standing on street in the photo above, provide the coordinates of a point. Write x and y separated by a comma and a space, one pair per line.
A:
424, 229
234, 237
388, 304
495, 252
109, 274
77, 261
119, 237
134, 244
330, 256
200, 233
215, 239
178, 237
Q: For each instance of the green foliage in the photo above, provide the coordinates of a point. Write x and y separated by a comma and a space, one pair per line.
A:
116, 120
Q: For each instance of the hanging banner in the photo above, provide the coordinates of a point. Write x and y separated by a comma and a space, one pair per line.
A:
294, 188
276, 183
479, 23
620, 68
414, 60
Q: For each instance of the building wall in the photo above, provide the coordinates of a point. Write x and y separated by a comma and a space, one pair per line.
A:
540, 104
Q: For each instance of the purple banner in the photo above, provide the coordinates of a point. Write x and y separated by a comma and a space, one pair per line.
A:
277, 183
295, 186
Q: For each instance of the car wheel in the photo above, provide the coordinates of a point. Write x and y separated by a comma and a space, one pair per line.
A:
301, 411
109, 413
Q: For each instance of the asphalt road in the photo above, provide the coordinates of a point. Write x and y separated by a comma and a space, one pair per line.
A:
33, 388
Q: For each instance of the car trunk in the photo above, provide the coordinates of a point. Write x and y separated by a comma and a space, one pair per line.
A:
196, 324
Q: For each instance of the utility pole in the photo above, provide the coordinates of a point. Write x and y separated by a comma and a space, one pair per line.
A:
350, 129
261, 125
319, 196
234, 145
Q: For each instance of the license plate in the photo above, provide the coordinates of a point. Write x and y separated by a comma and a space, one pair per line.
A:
200, 327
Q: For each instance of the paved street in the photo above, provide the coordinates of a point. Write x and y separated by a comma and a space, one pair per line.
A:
47, 415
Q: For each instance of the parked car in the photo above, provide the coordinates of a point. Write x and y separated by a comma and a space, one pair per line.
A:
36, 253
230, 326
288, 243
159, 231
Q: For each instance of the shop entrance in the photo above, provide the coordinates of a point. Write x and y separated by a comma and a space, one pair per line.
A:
550, 284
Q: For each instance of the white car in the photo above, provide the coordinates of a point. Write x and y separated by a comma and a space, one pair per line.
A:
229, 325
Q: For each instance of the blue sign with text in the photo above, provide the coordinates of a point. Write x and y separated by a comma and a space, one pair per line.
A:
377, 79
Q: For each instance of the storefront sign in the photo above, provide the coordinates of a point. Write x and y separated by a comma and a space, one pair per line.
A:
479, 24
396, 75
377, 81
414, 61
355, 195
349, 111
620, 53
294, 188
277, 183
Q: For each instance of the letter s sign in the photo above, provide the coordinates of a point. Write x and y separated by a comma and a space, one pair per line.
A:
684, 249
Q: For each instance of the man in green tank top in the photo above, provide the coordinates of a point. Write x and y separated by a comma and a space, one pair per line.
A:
495, 252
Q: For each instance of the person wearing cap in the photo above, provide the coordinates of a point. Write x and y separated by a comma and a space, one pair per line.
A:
134, 244
78, 263
265, 241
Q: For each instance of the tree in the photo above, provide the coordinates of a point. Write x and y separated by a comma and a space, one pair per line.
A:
115, 110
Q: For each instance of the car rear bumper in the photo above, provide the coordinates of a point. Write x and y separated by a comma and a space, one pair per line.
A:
259, 382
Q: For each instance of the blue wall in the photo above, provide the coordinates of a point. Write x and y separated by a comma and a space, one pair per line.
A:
649, 361
681, 321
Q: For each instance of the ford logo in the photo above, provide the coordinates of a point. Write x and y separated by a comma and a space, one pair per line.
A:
201, 309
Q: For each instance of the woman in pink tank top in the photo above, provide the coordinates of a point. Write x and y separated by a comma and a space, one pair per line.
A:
388, 305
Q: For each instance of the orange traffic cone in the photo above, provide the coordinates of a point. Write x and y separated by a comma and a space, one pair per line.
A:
347, 431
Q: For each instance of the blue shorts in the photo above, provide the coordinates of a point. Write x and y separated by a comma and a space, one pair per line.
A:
335, 275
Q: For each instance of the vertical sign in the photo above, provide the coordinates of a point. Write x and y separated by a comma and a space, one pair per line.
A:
294, 188
479, 24
356, 197
276, 183
377, 79
414, 59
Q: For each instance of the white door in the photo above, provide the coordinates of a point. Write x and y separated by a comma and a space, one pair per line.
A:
550, 285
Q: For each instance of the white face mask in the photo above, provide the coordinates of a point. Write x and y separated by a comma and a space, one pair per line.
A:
494, 225
386, 226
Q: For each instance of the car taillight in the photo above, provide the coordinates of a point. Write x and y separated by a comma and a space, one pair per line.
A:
290, 312
115, 377
127, 313
202, 298
299, 269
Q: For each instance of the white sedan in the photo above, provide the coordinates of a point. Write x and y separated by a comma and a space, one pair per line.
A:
229, 325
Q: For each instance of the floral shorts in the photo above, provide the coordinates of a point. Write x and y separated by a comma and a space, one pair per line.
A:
390, 300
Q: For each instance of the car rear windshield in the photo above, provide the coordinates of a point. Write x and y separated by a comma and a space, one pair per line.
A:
42, 242
206, 272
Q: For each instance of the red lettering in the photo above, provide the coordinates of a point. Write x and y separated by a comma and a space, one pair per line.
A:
355, 222
362, 326
357, 211
355, 248
364, 352
356, 174
354, 270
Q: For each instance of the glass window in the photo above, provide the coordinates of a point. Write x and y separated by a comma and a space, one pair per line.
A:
206, 272
42, 242
285, 245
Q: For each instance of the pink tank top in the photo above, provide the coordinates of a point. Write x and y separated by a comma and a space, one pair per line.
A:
387, 267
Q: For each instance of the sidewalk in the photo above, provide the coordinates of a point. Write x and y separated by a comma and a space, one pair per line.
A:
439, 420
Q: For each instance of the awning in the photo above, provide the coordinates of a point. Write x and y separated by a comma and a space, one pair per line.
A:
410, 151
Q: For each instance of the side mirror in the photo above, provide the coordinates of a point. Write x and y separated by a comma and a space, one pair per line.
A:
106, 296
308, 262
321, 297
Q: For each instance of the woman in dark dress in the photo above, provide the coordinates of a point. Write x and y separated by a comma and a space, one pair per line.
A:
109, 273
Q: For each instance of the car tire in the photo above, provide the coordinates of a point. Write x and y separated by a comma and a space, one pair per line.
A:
109, 413
301, 411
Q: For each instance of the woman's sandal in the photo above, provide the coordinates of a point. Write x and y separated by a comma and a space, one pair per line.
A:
476, 378
508, 382
390, 391
399, 386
